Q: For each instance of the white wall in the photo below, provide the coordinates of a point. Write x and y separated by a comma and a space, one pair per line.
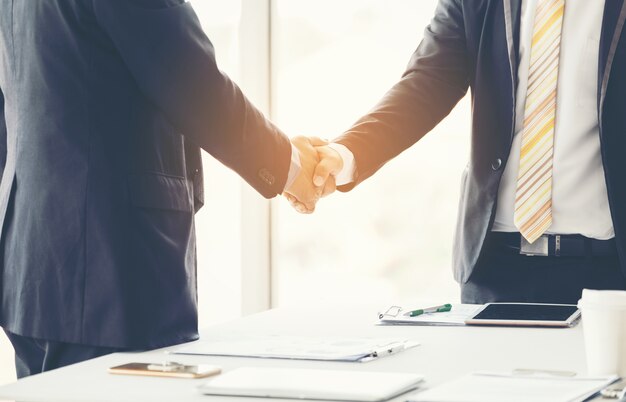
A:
7, 368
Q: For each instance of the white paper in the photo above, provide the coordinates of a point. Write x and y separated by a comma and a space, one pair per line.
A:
498, 387
298, 347
456, 316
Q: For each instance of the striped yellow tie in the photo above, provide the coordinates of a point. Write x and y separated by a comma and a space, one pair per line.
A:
533, 198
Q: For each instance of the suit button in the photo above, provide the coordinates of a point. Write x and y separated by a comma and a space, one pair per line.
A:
267, 177
495, 165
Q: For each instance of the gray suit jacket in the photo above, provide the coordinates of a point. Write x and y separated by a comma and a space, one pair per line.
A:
473, 44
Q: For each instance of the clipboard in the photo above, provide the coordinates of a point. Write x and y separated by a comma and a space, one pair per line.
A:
397, 315
516, 386
339, 349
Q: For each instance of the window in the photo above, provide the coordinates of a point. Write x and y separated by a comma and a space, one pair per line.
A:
218, 228
233, 227
390, 239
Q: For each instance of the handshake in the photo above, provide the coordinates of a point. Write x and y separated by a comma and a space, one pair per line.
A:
319, 164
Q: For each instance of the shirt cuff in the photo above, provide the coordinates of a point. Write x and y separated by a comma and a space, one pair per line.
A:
294, 169
346, 175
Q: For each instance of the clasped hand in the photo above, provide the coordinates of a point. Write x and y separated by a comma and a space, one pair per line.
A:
319, 164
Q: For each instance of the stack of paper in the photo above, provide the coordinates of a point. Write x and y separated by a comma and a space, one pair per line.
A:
498, 387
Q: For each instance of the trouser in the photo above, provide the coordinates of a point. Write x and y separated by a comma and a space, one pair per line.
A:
33, 356
502, 274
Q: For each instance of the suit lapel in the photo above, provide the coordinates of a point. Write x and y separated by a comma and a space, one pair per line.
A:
512, 11
612, 25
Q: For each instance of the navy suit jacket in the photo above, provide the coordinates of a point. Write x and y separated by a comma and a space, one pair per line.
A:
104, 106
474, 44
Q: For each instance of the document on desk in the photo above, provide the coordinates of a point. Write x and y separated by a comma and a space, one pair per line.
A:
498, 387
396, 315
300, 348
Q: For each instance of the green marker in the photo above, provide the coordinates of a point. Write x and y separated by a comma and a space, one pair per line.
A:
436, 309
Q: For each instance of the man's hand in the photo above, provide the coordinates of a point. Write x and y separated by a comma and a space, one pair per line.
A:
302, 194
328, 164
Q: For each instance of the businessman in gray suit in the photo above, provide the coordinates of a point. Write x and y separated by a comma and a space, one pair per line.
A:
542, 211
104, 106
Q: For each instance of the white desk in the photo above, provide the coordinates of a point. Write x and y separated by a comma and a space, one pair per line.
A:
445, 352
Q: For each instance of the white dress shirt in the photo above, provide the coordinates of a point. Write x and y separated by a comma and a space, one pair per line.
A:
579, 196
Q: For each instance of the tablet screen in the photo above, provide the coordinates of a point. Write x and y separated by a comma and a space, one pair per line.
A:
526, 312
518, 313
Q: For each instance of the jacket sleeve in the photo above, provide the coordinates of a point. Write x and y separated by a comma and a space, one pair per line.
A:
173, 62
435, 80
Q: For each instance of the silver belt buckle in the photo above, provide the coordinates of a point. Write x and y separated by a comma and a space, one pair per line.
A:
538, 248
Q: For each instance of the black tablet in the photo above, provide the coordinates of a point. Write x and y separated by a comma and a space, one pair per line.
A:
526, 314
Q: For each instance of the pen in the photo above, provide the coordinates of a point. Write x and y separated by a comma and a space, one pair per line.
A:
435, 309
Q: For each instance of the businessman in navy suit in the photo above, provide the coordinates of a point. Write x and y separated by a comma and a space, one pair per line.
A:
543, 203
104, 106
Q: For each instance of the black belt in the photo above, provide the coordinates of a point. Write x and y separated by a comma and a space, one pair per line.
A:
556, 245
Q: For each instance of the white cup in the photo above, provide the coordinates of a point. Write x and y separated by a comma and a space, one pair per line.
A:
604, 328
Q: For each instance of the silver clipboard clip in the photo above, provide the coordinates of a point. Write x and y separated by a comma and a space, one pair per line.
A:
392, 312
389, 349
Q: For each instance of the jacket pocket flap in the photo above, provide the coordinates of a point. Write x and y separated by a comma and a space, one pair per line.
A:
154, 190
